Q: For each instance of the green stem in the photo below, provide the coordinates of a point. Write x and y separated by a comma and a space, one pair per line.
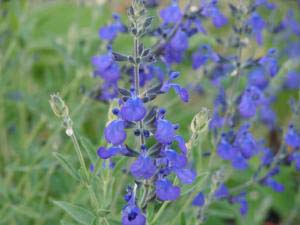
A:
146, 184
160, 211
85, 171
79, 155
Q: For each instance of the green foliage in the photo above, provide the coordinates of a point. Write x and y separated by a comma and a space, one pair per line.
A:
80, 214
66, 165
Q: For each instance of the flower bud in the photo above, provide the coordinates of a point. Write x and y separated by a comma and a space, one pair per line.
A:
200, 121
58, 106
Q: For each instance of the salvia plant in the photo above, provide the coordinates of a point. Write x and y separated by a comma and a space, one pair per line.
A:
246, 83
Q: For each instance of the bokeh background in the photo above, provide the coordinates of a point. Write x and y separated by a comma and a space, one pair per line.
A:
46, 47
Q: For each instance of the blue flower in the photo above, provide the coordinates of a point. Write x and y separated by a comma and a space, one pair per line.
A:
165, 132
132, 215
292, 23
150, 72
268, 116
257, 25
186, 176
246, 142
110, 32
106, 67
107, 153
270, 182
225, 150
115, 132
258, 78
157, 72
239, 162
203, 55
171, 14
251, 99
292, 80
236, 152
102, 62
269, 62
180, 91
110, 74
109, 91
216, 121
175, 160
143, 167
292, 137
199, 26
295, 157
265, 3
267, 157
212, 11
166, 191
219, 72
221, 192
92, 168
133, 109
293, 49
242, 201
175, 49
199, 200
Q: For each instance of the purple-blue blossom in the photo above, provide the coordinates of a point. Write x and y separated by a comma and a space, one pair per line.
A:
110, 32
292, 80
203, 55
175, 50
221, 192
132, 215
133, 109
210, 9
199, 200
257, 24
258, 78
251, 99
292, 137
269, 62
171, 14
166, 191
115, 132
242, 201
143, 167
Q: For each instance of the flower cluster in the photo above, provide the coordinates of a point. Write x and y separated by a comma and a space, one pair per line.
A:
238, 107
172, 35
247, 89
136, 117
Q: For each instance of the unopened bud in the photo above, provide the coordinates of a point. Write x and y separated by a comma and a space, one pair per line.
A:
58, 106
200, 121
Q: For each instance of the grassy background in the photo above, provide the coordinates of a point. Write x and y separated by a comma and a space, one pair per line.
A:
46, 47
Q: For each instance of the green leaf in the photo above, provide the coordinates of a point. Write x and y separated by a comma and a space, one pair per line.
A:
89, 148
182, 219
150, 212
66, 165
78, 213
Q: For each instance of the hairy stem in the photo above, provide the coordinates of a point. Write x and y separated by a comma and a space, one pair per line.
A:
137, 81
146, 185
84, 168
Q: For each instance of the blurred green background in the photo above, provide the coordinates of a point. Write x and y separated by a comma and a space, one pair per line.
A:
45, 47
